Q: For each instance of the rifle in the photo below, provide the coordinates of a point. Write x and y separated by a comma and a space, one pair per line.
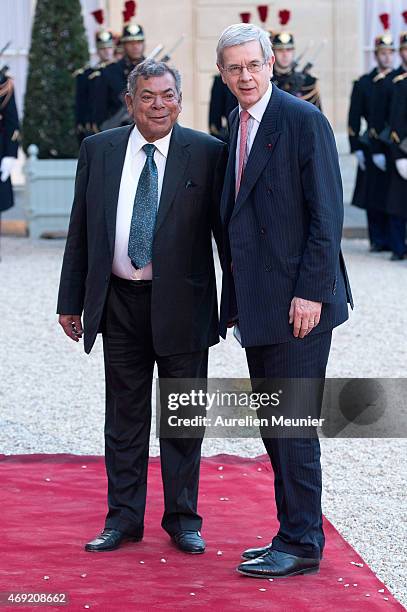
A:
167, 56
4, 49
301, 55
155, 52
311, 62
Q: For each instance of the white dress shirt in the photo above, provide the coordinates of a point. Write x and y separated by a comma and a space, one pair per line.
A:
132, 167
256, 113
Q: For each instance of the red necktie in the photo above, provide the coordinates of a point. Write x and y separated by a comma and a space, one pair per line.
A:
244, 117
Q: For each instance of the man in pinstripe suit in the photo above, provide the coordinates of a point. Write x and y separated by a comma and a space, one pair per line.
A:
285, 281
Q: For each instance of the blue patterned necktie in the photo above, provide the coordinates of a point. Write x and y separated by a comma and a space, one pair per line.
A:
144, 212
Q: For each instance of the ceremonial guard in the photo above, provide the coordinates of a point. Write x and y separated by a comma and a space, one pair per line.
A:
84, 76
222, 102
372, 176
298, 83
108, 87
397, 153
9, 138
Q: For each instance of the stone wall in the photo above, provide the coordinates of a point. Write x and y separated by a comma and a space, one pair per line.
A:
339, 22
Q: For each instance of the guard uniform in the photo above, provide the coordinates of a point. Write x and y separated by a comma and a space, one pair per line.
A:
379, 133
222, 102
9, 135
298, 83
367, 107
104, 39
109, 85
397, 196
82, 110
396, 204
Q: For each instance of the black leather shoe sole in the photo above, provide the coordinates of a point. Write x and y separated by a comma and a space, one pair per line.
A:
102, 548
309, 570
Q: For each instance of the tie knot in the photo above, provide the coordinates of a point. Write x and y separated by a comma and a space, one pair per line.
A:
244, 116
149, 149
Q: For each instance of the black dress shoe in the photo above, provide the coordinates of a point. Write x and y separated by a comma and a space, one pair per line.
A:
110, 539
253, 553
277, 564
396, 257
189, 542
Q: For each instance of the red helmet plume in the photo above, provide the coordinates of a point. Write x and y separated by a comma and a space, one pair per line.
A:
284, 16
385, 19
245, 17
98, 15
263, 11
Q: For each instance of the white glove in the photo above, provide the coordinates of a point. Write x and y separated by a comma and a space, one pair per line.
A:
6, 166
379, 160
401, 165
360, 156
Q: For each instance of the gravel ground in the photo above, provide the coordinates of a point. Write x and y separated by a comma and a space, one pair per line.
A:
52, 394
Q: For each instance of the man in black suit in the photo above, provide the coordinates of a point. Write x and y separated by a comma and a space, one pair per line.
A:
285, 282
138, 262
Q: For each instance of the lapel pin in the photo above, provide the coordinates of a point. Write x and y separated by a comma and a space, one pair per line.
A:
270, 145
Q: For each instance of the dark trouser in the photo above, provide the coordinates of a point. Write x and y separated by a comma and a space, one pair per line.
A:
397, 234
129, 364
377, 223
295, 461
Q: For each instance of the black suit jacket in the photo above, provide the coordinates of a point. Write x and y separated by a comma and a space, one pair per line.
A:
184, 304
283, 233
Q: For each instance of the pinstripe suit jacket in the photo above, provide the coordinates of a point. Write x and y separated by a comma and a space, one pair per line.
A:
283, 232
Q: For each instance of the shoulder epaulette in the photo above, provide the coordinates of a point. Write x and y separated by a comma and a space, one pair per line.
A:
94, 74
6, 91
79, 71
310, 93
105, 64
308, 88
395, 137
379, 77
400, 77
382, 75
6, 87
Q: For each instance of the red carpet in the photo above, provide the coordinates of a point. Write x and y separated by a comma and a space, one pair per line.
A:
53, 504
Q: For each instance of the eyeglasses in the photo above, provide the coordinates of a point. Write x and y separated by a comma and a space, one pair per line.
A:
252, 67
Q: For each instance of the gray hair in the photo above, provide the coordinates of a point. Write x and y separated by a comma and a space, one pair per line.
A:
151, 68
241, 33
